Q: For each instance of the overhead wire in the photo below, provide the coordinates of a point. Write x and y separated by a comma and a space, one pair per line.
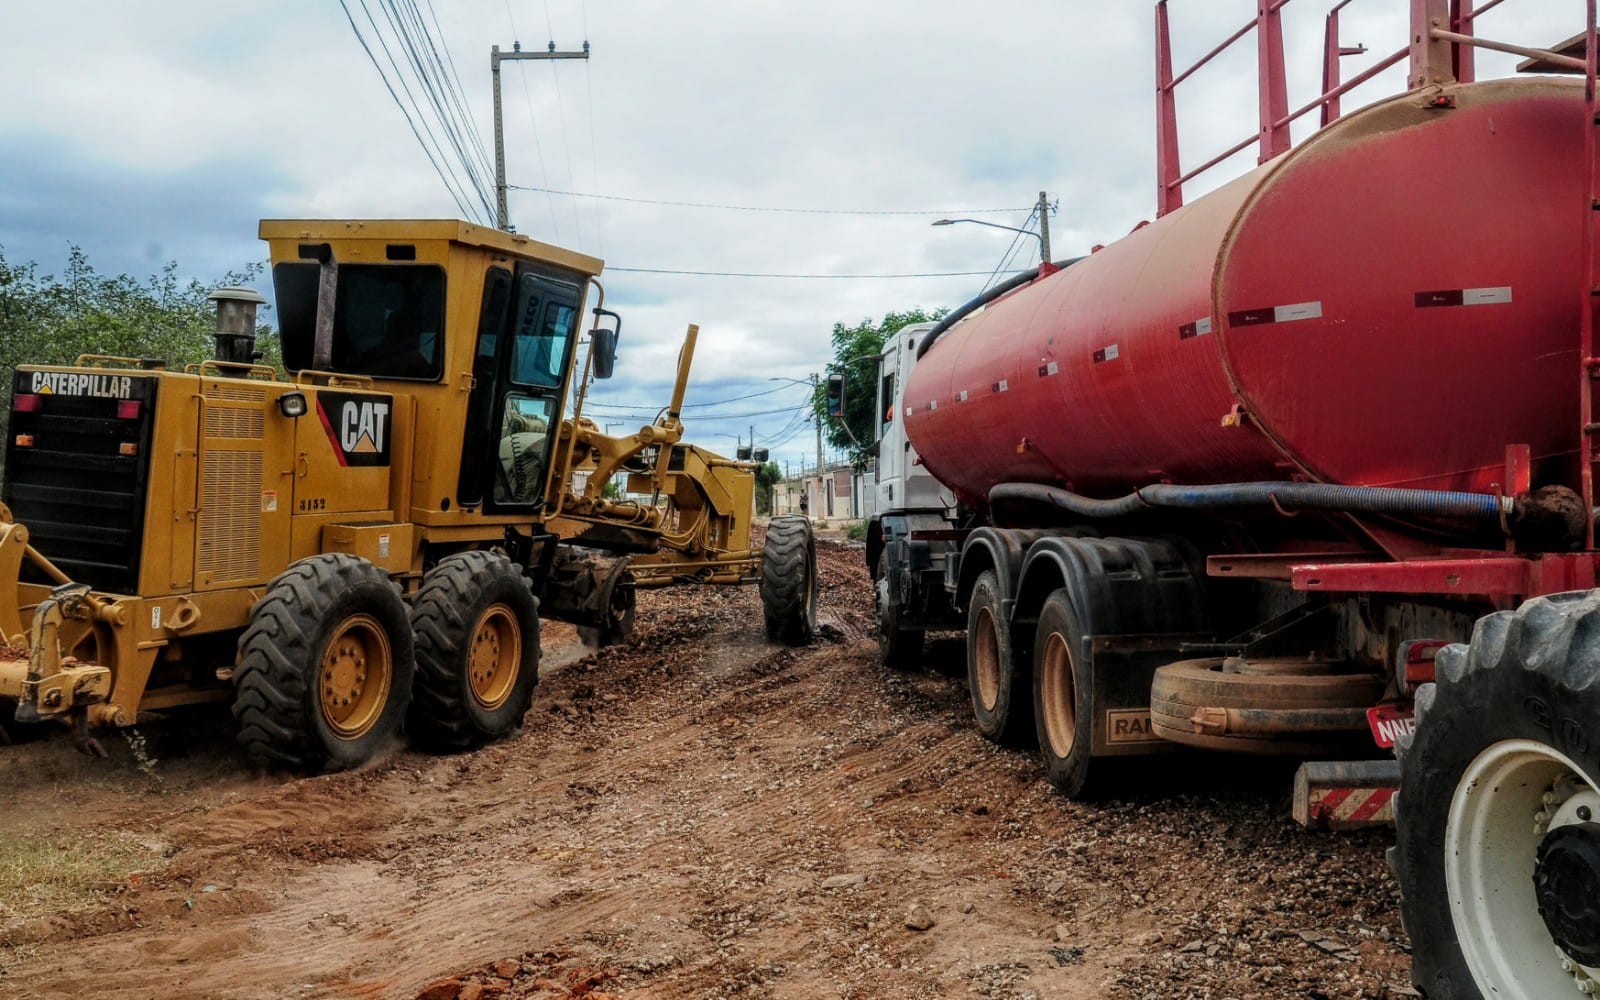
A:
1011, 251
561, 115
769, 274
452, 80
767, 208
538, 145
594, 155
405, 21
451, 185
690, 406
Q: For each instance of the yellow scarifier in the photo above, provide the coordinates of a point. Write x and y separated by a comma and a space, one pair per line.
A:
367, 542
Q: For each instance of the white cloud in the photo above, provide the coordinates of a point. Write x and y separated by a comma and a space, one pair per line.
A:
884, 105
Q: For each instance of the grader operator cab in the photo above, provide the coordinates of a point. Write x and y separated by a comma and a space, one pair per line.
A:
366, 542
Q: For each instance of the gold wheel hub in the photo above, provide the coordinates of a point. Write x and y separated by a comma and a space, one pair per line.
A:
353, 682
495, 656
1060, 704
986, 660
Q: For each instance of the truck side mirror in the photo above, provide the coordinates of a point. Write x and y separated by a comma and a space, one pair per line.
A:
605, 351
836, 396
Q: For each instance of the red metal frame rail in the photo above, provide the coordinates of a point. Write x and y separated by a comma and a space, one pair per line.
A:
1441, 51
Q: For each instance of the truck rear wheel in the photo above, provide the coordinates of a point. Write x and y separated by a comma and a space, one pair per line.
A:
324, 669
1062, 697
1002, 702
1498, 816
477, 629
898, 648
789, 581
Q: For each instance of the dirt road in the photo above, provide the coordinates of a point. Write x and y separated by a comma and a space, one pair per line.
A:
692, 814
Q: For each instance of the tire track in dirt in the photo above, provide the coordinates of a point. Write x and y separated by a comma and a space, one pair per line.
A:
667, 826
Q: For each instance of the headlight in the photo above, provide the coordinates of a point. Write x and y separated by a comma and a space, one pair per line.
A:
292, 404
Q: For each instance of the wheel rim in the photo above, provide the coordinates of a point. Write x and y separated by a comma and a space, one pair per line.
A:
1507, 802
986, 660
353, 682
1058, 697
494, 657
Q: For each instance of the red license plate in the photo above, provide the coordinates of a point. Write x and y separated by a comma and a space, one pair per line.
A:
1390, 722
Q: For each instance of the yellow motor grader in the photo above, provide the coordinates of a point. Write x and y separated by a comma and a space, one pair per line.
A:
365, 543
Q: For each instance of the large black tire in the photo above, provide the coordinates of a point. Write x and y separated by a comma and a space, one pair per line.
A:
324, 670
477, 628
1500, 780
1001, 688
789, 581
1063, 698
898, 648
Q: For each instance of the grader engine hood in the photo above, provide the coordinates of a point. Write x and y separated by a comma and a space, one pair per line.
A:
77, 464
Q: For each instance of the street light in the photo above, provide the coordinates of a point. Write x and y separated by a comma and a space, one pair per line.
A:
1043, 247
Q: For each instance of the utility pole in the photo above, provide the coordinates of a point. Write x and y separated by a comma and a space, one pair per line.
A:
815, 378
503, 217
1044, 217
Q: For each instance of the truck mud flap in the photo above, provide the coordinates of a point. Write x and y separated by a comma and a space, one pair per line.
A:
1124, 666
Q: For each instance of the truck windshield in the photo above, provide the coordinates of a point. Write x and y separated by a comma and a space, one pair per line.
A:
388, 319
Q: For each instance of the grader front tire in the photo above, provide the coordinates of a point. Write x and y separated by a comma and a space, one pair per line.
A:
324, 669
477, 629
1498, 844
789, 581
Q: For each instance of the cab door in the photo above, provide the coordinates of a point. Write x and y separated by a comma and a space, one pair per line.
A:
523, 361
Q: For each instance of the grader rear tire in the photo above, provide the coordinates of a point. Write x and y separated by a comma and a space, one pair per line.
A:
477, 629
324, 670
789, 581
1497, 841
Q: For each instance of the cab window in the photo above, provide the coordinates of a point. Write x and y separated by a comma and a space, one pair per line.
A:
543, 330
388, 319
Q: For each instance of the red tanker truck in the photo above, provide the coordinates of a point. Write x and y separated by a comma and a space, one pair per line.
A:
1304, 467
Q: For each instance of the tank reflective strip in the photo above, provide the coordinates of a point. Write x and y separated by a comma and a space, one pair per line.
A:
1106, 354
1001, 386
1047, 370
1464, 297
961, 397
1198, 328
1276, 314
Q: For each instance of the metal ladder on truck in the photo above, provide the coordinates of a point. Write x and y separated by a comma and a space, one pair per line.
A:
1591, 273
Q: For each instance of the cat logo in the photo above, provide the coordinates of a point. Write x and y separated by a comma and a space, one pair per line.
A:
362, 427
357, 426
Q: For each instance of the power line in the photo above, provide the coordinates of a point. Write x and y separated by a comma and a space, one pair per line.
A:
688, 406
405, 20
762, 274
723, 416
538, 145
760, 208
445, 178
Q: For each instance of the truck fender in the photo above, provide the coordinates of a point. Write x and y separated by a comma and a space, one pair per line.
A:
998, 549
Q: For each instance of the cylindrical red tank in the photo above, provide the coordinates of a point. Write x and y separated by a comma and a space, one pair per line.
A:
1394, 302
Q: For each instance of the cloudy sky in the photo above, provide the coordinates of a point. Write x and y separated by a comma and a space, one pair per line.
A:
146, 132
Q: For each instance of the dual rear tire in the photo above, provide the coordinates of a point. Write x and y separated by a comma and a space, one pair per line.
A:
333, 666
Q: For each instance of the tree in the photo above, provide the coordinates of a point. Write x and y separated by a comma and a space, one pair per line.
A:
768, 476
855, 348
51, 321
